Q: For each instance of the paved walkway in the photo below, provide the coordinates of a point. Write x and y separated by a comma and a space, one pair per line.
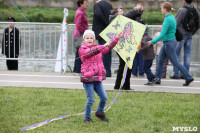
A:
69, 81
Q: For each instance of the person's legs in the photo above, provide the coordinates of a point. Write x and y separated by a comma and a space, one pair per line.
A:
119, 74
89, 89
99, 89
178, 50
77, 63
140, 63
107, 59
147, 69
126, 85
187, 51
161, 57
170, 51
9, 64
135, 65
165, 67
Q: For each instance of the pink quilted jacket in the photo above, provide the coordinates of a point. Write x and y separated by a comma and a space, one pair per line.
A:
92, 68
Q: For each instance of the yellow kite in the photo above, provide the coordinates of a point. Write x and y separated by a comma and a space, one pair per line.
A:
128, 44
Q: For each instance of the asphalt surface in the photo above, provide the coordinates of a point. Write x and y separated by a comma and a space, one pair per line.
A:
70, 81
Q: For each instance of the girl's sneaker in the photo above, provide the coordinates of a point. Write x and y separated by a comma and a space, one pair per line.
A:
101, 116
87, 120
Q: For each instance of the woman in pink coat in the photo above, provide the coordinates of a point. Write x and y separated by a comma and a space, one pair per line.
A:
81, 23
93, 72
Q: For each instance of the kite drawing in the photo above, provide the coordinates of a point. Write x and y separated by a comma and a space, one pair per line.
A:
132, 36
116, 25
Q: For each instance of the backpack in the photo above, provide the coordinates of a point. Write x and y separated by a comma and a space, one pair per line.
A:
191, 20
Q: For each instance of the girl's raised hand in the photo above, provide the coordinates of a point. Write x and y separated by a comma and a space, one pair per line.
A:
106, 44
120, 35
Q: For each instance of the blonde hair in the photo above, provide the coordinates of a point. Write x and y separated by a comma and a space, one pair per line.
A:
168, 6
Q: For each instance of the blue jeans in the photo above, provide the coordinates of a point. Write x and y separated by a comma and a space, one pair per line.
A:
89, 89
138, 64
186, 42
107, 59
168, 49
77, 63
147, 69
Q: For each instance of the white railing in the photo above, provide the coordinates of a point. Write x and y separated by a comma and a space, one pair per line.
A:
39, 46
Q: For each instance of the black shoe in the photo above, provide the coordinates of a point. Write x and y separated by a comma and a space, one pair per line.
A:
181, 77
188, 82
87, 120
174, 77
158, 83
148, 83
154, 80
101, 116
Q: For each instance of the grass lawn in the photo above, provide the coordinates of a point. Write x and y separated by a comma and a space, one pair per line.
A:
137, 112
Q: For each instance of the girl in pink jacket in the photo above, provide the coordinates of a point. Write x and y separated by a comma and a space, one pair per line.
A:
93, 72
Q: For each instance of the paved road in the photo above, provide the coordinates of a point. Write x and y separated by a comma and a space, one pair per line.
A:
69, 81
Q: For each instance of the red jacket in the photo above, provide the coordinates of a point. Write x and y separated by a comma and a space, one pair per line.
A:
92, 68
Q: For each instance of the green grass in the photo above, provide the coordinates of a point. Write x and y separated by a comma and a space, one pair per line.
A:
132, 112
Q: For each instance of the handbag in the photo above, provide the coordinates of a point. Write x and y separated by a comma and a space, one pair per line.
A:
179, 35
78, 41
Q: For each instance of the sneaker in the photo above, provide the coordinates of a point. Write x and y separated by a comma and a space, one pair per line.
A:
154, 80
174, 77
188, 82
87, 120
148, 83
101, 116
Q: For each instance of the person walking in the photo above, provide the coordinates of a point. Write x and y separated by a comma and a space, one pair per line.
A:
81, 24
168, 49
186, 42
148, 56
157, 48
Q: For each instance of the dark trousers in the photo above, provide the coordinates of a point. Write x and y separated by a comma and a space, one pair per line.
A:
147, 69
138, 64
126, 85
107, 59
77, 63
12, 64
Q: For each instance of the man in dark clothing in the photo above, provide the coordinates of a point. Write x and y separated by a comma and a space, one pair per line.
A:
134, 14
187, 38
100, 22
11, 45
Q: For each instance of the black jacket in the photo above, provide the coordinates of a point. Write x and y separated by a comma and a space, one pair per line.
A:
133, 14
11, 43
147, 52
101, 17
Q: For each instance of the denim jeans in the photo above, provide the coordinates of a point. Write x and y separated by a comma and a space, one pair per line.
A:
77, 63
89, 89
138, 64
169, 49
107, 59
186, 42
147, 69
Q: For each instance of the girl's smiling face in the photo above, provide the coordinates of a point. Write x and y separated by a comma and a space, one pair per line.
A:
89, 39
